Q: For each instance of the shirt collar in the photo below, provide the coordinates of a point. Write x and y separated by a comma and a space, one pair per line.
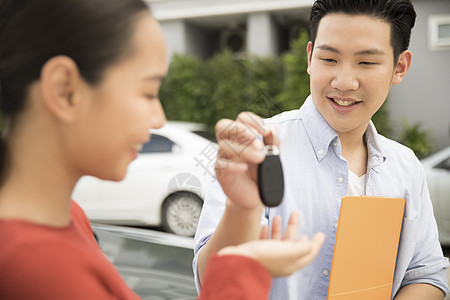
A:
322, 134
376, 155
319, 131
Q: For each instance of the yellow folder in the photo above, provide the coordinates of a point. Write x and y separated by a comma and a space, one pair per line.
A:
365, 249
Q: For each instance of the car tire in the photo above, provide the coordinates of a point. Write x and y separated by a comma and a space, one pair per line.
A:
181, 212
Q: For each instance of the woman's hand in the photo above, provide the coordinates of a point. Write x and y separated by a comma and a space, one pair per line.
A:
240, 152
280, 255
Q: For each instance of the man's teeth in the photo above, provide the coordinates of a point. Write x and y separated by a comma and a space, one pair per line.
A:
344, 102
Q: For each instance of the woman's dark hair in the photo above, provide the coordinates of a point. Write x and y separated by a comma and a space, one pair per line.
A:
94, 33
400, 14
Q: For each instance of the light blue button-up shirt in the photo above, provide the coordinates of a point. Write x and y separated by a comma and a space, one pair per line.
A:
316, 179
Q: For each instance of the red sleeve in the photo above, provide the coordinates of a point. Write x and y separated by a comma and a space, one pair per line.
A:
235, 277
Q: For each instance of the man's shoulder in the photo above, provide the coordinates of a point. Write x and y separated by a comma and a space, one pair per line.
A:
395, 148
397, 152
283, 117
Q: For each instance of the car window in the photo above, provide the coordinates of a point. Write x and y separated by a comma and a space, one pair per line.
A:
444, 164
158, 143
206, 134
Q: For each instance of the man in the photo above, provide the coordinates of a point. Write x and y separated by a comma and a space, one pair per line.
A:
329, 149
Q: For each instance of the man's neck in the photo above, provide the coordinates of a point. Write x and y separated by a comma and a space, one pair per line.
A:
354, 150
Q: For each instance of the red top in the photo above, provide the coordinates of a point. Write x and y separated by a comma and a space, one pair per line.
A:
42, 262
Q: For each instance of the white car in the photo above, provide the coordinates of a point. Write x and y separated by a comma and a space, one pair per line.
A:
437, 170
165, 186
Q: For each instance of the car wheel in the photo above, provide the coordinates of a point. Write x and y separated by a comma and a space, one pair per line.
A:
180, 213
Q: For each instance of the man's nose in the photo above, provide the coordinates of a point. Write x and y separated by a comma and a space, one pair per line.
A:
345, 79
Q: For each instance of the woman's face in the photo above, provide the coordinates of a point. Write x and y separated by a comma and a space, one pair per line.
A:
119, 112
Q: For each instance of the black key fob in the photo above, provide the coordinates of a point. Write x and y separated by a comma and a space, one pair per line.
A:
270, 177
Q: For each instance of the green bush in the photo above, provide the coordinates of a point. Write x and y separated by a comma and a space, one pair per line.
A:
296, 78
416, 138
264, 80
227, 81
185, 93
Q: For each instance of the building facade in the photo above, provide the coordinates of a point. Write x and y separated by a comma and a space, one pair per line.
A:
204, 27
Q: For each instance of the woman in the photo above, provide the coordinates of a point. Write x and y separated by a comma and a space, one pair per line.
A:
79, 83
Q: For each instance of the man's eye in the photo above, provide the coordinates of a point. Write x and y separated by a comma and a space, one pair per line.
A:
329, 60
367, 63
151, 96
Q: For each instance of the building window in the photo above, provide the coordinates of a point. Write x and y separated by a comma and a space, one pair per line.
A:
439, 32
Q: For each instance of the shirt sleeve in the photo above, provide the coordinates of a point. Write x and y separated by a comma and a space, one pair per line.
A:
420, 236
212, 211
235, 277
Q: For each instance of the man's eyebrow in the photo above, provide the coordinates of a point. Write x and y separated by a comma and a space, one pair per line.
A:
374, 51
328, 48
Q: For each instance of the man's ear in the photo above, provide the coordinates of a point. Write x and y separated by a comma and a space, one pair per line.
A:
402, 67
309, 51
59, 80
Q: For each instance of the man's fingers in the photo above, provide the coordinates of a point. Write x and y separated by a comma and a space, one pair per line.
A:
271, 137
253, 121
232, 150
237, 131
230, 166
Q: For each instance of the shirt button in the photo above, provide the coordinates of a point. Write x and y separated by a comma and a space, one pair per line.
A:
325, 272
336, 225
320, 151
340, 179
334, 144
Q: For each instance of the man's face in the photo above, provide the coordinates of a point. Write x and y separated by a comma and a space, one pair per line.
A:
351, 70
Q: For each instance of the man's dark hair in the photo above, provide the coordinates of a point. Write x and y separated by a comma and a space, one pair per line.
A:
399, 14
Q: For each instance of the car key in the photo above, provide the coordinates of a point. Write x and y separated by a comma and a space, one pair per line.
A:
270, 177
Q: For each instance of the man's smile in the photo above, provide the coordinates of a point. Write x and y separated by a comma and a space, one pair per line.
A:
344, 102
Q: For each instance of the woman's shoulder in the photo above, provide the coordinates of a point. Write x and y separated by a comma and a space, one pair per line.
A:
18, 238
